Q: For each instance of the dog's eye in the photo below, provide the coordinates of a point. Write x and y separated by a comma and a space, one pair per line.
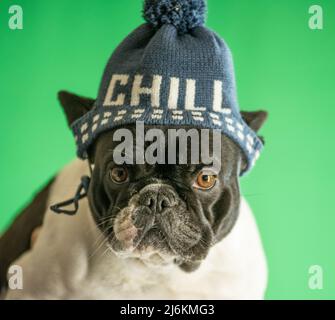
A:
118, 175
205, 181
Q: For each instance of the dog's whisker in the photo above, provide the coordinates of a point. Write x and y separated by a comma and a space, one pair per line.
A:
100, 241
253, 194
103, 242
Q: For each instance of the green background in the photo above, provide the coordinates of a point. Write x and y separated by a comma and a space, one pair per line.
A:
281, 66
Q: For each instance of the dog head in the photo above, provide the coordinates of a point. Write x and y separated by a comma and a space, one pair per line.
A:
162, 212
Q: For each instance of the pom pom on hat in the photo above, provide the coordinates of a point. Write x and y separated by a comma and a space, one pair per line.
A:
184, 15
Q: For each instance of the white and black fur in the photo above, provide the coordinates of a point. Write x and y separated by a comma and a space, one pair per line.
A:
203, 245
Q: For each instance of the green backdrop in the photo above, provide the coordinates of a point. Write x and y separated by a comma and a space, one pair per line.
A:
281, 66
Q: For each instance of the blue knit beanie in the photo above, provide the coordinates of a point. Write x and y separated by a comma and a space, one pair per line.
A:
169, 71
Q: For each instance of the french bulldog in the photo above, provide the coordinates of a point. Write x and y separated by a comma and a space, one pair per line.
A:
162, 231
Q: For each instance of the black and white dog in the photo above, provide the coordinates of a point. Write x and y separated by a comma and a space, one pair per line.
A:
144, 231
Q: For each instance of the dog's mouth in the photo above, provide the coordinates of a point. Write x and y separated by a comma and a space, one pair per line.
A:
152, 247
156, 239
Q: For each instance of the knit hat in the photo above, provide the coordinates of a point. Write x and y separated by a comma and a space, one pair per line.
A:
171, 70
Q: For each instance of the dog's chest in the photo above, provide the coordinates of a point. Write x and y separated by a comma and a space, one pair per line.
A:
131, 279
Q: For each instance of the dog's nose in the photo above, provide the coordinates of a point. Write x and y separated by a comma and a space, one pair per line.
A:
157, 199
158, 202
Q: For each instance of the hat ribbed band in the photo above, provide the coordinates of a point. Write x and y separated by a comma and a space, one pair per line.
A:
98, 120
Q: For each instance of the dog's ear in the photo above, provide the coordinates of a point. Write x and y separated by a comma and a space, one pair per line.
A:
254, 119
74, 106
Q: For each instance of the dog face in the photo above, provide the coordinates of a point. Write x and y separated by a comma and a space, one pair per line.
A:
162, 213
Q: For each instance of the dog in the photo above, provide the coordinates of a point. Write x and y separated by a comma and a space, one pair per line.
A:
162, 231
